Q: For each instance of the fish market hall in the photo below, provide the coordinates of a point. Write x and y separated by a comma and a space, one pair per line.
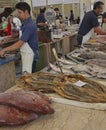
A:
52, 65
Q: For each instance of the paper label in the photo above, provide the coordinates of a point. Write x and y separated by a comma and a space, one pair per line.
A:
79, 83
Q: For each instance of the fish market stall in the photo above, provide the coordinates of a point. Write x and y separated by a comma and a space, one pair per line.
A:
7, 64
69, 113
89, 61
65, 115
62, 45
91, 58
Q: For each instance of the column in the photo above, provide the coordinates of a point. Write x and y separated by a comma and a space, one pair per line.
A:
85, 5
30, 3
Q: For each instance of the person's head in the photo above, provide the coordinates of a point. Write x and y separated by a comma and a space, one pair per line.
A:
98, 7
10, 19
23, 9
42, 9
71, 11
104, 17
56, 10
3, 19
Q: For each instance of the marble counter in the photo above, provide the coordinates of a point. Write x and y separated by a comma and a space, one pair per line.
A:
66, 117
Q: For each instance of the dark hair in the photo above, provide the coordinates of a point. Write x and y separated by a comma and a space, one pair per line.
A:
42, 10
23, 6
56, 9
71, 11
97, 4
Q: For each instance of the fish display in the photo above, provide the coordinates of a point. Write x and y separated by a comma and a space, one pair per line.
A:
10, 115
19, 107
95, 46
61, 69
76, 89
91, 69
68, 86
88, 69
88, 92
85, 54
75, 55
100, 62
103, 49
93, 55
66, 62
38, 82
92, 62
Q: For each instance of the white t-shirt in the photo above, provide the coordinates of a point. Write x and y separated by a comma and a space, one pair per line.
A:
17, 23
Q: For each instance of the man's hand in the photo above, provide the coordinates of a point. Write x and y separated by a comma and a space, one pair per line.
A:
2, 53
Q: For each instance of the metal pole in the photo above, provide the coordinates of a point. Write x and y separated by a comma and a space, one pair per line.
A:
46, 3
63, 8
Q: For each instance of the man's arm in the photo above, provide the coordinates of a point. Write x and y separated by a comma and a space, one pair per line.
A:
12, 47
42, 24
98, 30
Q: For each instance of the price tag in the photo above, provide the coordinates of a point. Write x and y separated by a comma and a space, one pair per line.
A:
80, 83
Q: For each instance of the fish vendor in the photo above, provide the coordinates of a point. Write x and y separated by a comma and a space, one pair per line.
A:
28, 41
90, 24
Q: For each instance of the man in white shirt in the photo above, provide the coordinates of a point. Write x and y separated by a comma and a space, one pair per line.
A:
16, 21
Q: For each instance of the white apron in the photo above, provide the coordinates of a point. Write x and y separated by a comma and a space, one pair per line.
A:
88, 36
27, 56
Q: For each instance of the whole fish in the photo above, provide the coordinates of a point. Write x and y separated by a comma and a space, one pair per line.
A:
26, 101
10, 115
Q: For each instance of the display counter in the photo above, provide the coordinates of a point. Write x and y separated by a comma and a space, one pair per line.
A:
62, 45
66, 117
66, 44
43, 56
7, 73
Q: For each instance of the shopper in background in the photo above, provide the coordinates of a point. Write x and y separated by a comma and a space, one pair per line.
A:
28, 42
58, 14
78, 20
9, 26
71, 17
4, 26
41, 21
104, 21
90, 24
58, 17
